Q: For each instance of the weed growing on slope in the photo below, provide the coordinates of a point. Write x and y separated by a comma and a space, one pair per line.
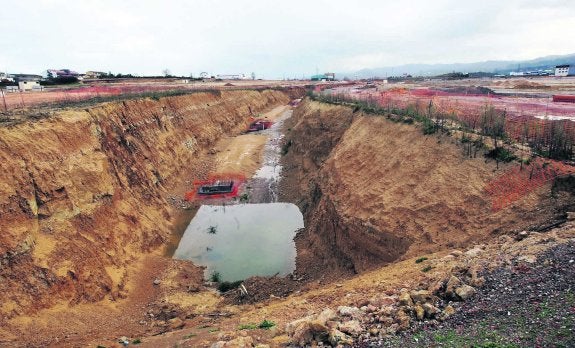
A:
421, 259
266, 324
215, 277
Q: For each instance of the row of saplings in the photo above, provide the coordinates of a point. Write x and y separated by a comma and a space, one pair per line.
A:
554, 139
384, 314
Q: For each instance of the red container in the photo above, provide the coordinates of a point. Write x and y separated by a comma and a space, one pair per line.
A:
564, 98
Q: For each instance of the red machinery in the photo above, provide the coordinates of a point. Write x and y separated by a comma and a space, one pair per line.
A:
260, 124
216, 186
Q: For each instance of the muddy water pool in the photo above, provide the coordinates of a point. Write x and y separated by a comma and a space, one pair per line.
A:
242, 240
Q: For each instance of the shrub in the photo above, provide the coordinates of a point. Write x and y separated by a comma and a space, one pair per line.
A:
285, 147
266, 324
428, 126
216, 277
227, 286
421, 259
426, 269
501, 154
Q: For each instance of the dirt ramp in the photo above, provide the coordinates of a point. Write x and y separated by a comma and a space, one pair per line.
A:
373, 191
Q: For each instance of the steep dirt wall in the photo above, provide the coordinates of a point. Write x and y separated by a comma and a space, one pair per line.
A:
82, 193
373, 191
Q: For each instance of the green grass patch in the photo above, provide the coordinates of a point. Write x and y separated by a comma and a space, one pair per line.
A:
426, 269
447, 337
248, 327
188, 336
546, 311
137, 341
421, 259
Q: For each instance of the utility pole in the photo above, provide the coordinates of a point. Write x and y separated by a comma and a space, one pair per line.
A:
4, 99
22, 99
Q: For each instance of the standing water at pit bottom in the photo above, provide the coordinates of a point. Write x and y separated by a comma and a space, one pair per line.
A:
243, 240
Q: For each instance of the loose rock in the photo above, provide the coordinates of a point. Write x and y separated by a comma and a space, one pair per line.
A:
452, 284
430, 310
465, 292
422, 296
351, 327
337, 337
405, 299
419, 312
348, 311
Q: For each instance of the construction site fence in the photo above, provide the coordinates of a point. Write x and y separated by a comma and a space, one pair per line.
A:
526, 120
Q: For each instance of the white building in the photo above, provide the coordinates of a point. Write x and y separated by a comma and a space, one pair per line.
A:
29, 85
6, 77
232, 77
564, 70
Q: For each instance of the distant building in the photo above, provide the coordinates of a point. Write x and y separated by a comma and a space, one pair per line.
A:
231, 77
324, 77
29, 85
26, 77
5, 77
564, 70
94, 74
55, 73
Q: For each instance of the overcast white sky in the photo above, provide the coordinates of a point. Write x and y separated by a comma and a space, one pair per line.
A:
275, 38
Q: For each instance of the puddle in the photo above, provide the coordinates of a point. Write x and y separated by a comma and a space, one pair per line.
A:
242, 240
556, 118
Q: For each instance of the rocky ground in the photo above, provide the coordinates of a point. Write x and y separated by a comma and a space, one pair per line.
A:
524, 301
523, 305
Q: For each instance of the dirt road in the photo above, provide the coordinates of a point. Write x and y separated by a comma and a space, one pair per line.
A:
242, 154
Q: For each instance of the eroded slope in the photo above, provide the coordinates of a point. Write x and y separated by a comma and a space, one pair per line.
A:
82, 193
373, 191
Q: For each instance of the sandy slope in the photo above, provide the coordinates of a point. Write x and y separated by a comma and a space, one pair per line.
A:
83, 203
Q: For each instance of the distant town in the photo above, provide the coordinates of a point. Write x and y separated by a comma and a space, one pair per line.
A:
51, 77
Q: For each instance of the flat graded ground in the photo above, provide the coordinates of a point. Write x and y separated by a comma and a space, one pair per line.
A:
242, 154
